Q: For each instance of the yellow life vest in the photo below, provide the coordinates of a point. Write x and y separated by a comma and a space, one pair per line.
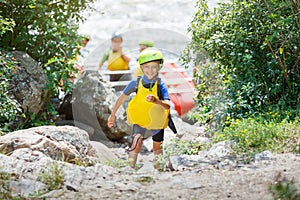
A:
147, 114
116, 62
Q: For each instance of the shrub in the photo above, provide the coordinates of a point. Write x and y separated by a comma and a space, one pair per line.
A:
255, 134
9, 107
47, 31
256, 52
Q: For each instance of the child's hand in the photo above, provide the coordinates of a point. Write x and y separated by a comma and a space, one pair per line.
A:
151, 98
111, 121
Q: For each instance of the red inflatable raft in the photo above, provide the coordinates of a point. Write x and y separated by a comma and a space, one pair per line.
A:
181, 87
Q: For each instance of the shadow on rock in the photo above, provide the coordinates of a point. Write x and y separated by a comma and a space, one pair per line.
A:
90, 105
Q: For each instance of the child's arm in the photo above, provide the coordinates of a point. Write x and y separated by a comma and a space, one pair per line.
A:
103, 59
163, 103
119, 102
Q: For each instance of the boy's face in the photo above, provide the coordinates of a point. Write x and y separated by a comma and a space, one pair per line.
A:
116, 44
150, 69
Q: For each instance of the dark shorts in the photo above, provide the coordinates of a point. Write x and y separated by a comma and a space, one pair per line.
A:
157, 137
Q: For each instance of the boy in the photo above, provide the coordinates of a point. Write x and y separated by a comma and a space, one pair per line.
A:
146, 111
115, 56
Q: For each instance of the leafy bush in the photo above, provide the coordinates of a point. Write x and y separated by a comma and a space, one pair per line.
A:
47, 31
255, 134
255, 47
9, 107
211, 98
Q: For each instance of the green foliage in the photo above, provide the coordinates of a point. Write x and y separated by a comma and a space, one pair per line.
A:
284, 189
118, 163
255, 134
9, 107
47, 31
81, 162
256, 50
49, 28
53, 178
211, 98
6, 25
48, 34
161, 162
176, 147
182, 147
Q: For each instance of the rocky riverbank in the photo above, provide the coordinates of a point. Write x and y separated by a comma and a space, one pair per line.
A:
63, 163
62, 157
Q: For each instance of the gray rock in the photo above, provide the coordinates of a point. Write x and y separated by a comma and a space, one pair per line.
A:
174, 162
193, 185
102, 152
147, 168
26, 187
62, 143
179, 163
265, 155
221, 149
29, 84
91, 104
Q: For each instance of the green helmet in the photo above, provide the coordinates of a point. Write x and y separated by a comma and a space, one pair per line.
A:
147, 43
150, 54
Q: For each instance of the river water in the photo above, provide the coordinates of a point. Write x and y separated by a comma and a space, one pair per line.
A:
163, 22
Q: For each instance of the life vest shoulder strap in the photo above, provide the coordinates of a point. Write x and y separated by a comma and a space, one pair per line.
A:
159, 93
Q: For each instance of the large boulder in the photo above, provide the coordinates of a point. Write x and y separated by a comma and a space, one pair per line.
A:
65, 143
28, 87
29, 155
91, 103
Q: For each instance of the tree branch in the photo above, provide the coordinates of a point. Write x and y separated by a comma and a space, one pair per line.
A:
281, 65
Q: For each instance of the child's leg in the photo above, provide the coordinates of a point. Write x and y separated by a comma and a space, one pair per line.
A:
157, 145
157, 148
135, 148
